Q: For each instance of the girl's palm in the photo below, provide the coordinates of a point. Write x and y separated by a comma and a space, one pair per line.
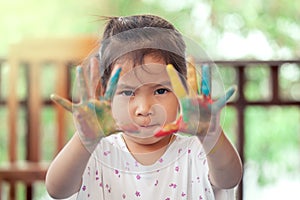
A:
92, 117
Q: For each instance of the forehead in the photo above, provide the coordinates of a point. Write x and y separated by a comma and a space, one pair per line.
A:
153, 70
144, 74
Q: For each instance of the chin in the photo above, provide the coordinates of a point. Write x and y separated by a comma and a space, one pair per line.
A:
143, 138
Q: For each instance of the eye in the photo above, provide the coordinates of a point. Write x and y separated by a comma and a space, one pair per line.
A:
161, 91
127, 93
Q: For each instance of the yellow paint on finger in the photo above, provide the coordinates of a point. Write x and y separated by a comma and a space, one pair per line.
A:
176, 82
198, 81
192, 77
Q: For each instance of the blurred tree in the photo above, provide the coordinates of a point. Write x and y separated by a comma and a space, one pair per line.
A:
226, 28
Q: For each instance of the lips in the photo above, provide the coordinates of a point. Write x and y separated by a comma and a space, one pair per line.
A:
143, 121
149, 126
136, 129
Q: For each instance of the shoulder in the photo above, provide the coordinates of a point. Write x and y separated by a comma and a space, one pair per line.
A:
186, 138
112, 140
110, 144
192, 144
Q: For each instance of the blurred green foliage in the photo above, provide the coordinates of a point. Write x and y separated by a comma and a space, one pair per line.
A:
274, 22
272, 141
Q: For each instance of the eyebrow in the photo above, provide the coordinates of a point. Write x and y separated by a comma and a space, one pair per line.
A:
124, 86
165, 83
129, 87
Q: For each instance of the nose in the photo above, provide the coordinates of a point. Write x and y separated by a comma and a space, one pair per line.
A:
144, 106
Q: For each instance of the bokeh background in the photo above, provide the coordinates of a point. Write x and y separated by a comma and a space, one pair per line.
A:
227, 30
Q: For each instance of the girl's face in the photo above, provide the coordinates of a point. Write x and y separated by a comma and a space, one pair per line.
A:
144, 100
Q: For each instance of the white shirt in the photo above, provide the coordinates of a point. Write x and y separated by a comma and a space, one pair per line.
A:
112, 173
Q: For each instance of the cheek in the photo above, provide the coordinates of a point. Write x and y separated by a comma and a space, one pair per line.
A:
172, 109
120, 110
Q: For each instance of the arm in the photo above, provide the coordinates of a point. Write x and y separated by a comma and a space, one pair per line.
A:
92, 119
225, 167
63, 179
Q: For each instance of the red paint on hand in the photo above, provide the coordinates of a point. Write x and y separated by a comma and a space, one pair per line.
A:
169, 129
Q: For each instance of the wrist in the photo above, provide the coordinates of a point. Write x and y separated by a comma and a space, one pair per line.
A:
89, 144
208, 128
217, 145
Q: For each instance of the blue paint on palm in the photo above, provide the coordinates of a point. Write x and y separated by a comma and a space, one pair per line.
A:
91, 105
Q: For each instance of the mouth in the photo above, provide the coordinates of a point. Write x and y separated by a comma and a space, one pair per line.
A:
149, 130
141, 129
148, 126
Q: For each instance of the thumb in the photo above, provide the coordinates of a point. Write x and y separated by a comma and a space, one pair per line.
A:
66, 104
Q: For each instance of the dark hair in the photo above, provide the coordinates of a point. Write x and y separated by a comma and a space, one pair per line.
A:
137, 36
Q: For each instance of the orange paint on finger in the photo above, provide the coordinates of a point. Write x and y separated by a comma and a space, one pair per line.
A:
169, 129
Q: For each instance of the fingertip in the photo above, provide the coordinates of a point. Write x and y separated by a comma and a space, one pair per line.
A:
206, 80
116, 77
230, 92
234, 88
177, 85
53, 97
112, 84
93, 59
118, 72
170, 69
79, 69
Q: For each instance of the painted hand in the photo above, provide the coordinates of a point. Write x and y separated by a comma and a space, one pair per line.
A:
92, 117
199, 113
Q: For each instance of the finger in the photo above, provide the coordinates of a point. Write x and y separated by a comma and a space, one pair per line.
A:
94, 78
176, 82
87, 72
221, 102
187, 105
66, 104
199, 81
192, 77
82, 84
112, 84
206, 81
168, 129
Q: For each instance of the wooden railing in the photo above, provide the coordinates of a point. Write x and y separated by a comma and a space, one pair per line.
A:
35, 68
240, 103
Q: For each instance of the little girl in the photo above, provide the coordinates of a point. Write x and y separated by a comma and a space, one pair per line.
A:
129, 142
